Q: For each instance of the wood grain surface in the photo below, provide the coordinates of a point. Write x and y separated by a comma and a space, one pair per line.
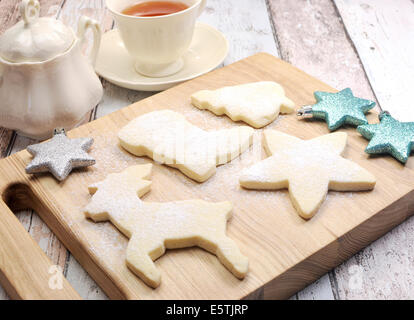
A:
336, 41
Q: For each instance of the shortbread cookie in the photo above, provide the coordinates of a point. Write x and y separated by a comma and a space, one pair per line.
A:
152, 227
308, 168
257, 104
167, 137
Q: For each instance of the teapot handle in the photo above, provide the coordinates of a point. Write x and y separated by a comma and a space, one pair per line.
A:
29, 10
84, 24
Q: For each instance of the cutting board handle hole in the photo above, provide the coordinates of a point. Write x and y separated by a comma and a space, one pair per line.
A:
18, 197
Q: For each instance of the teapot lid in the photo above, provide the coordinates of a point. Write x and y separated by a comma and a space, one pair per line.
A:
34, 39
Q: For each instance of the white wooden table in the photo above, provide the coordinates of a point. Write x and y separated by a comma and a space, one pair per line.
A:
363, 44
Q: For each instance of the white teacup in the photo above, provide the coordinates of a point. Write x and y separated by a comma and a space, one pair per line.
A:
156, 43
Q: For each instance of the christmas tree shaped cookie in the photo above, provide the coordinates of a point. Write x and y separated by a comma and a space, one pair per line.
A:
152, 227
167, 137
308, 168
257, 104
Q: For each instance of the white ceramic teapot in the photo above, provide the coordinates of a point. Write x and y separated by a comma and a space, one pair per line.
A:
45, 80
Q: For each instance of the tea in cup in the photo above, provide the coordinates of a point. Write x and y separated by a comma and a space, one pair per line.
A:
156, 33
154, 8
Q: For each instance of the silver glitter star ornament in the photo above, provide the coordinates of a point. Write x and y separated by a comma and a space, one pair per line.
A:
60, 155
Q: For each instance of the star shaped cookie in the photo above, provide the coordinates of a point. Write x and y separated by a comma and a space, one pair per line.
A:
308, 168
389, 136
60, 155
341, 108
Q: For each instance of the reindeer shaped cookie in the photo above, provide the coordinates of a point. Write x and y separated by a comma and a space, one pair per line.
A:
152, 227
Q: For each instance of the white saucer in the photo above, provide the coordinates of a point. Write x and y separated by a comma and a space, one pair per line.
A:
208, 49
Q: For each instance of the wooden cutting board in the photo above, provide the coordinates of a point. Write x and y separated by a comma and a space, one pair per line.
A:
285, 252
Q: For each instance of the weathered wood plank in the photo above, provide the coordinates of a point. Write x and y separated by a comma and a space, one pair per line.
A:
10, 13
381, 271
320, 289
5, 138
115, 98
311, 36
82, 282
72, 10
246, 25
382, 32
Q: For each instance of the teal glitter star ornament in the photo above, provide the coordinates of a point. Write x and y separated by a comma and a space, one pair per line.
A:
389, 136
338, 109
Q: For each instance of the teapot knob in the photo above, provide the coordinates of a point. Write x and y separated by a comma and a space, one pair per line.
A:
29, 9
